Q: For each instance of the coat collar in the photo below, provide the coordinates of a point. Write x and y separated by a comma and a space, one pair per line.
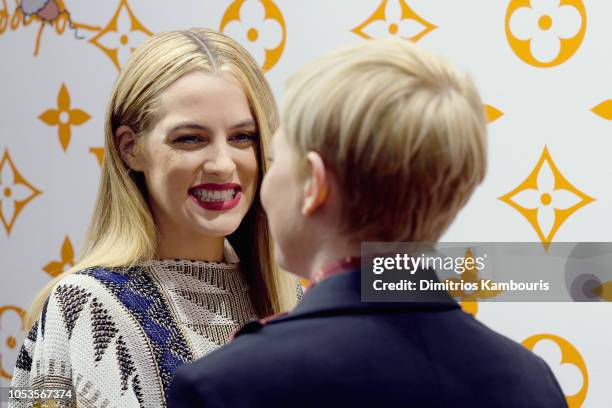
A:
341, 294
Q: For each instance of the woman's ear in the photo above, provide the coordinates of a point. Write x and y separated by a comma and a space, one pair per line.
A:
125, 140
316, 189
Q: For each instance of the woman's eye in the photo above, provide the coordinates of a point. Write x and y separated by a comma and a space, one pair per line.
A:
188, 139
243, 138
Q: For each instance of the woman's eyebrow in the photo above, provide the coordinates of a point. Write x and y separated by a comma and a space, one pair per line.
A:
244, 123
189, 126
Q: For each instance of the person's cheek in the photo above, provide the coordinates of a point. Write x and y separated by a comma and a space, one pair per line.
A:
267, 189
264, 190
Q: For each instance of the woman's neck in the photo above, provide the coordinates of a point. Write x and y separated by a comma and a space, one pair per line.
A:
188, 246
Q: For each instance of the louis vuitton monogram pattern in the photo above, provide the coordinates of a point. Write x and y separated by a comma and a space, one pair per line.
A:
541, 66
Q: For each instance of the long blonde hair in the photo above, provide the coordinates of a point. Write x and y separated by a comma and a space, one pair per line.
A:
122, 231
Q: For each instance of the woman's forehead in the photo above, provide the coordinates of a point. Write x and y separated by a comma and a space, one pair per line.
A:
199, 96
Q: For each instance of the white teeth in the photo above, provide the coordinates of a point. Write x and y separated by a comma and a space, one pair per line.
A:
214, 195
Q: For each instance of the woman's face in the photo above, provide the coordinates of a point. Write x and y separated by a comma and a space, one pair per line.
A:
199, 158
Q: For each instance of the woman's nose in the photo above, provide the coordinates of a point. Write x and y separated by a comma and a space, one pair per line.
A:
220, 162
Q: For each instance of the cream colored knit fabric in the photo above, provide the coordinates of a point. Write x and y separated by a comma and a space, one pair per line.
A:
115, 336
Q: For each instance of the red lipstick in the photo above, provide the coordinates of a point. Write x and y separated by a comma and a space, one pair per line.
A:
216, 205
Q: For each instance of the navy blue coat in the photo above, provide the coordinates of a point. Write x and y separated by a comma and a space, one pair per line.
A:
335, 351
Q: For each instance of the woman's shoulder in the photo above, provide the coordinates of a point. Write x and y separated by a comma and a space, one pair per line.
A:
70, 295
125, 293
94, 279
88, 303
96, 286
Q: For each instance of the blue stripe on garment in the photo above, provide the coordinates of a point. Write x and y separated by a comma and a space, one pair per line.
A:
130, 288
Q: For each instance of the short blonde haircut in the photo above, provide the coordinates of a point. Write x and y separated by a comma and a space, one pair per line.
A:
403, 132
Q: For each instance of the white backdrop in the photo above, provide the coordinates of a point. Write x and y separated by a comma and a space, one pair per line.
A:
542, 66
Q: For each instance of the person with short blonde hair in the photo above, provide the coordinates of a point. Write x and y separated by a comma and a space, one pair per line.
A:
397, 116
380, 141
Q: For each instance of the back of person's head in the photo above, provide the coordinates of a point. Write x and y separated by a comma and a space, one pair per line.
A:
402, 131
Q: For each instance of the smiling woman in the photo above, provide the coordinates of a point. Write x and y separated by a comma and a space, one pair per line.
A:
178, 254
199, 162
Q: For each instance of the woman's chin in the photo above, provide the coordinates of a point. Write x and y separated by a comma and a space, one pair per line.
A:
215, 223
221, 225
216, 230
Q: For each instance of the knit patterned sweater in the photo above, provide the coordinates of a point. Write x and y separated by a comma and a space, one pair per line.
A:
115, 336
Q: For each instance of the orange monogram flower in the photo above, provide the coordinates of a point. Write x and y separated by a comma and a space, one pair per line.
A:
63, 117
